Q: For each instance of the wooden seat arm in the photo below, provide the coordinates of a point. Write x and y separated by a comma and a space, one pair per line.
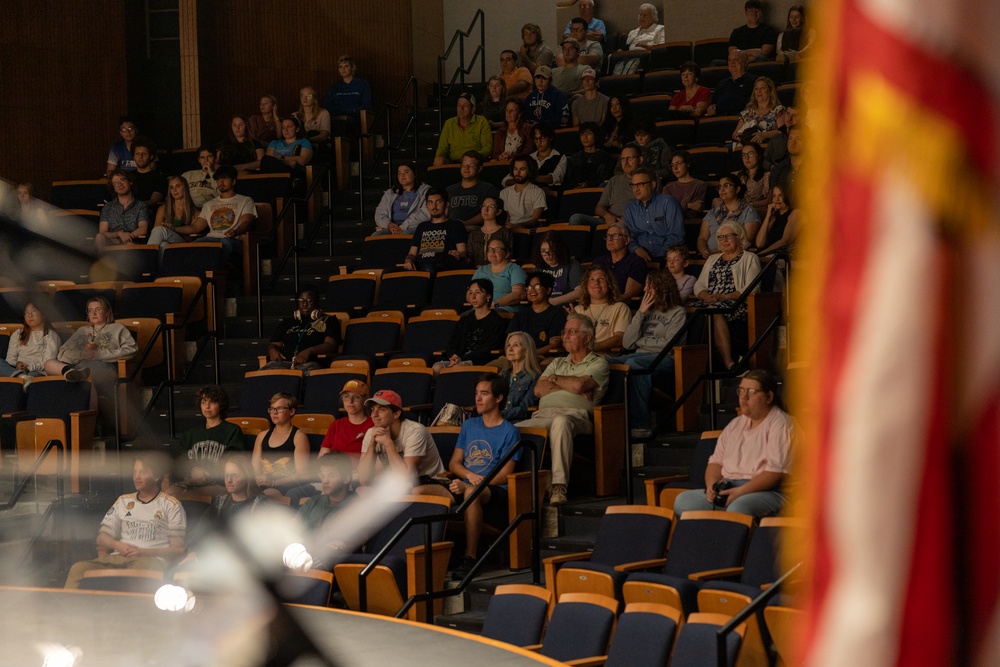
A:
588, 662
721, 573
640, 565
533, 647
566, 558
653, 485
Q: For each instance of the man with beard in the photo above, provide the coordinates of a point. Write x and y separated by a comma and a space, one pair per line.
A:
523, 200
438, 243
226, 217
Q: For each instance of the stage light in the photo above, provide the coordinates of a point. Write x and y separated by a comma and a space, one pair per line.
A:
173, 598
297, 557
59, 656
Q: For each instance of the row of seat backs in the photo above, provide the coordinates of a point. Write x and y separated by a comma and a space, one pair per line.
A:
91, 194
69, 302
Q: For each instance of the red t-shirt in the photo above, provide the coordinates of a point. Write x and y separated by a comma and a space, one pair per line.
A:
345, 436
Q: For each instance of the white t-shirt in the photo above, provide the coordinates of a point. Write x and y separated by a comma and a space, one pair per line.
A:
145, 525
521, 205
414, 440
221, 214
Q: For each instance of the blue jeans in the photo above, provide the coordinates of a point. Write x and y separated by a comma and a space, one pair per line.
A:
641, 386
6, 370
584, 219
759, 503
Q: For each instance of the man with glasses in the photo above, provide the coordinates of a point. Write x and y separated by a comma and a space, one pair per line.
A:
628, 268
517, 79
465, 199
617, 193
540, 320
655, 220
120, 155
546, 103
299, 339
567, 391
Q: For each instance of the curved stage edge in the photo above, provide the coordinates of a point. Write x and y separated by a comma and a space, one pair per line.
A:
124, 628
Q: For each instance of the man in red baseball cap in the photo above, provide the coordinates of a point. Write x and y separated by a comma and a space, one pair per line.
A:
397, 443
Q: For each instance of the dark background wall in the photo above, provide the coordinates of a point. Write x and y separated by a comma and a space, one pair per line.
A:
64, 86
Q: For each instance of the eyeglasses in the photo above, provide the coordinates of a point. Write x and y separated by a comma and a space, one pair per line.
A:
726, 185
640, 184
744, 392
306, 300
489, 250
546, 252
723, 237
534, 287
489, 207
614, 237
278, 408
130, 128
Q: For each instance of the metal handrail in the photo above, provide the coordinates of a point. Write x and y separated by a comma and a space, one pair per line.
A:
23, 484
462, 70
387, 147
721, 654
430, 595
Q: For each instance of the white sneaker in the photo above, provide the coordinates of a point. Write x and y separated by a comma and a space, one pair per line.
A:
558, 495
642, 434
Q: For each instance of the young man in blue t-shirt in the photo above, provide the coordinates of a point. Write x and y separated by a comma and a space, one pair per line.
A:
482, 442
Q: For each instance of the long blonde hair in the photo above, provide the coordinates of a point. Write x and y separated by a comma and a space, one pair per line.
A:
313, 114
170, 213
530, 352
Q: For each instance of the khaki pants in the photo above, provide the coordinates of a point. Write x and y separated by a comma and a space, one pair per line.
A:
563, 424
113, 561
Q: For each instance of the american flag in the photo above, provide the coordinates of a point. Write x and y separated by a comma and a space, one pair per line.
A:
899, 320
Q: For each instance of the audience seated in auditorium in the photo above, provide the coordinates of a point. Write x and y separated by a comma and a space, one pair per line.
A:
142, 530
591, 52
202, 448
617, 193
659, 317
755, 177
753, 455
687, 190
590, 105
93, 349
466, 131
179, 210
315, 120
120, 155
202, 181
479, 332
722, 280
552, 256
308, 333
397, 443
796, 38
516, 78
550, 164
730, 96
507, 277
596, 30
226, 217
494, 226
593, 165
541, 321
786, 171
265, 127
124, 219
627, 267
239, 149
781, 223
522, 371
655, 151
649, 32
567, 76
602, 303
402, 207
618, 125
691, 98
732, 207
515, 136
281, 453
756, 38
242, 494
482, 442
27, 209
465, 198
30, 346
335, 489
523, 200
655, 220
567, 391
438, 243
491, 106
763, 116
291, 152
149, 185
346, 433
677, 262
348, 97
777, 147
546, 103
533, 52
